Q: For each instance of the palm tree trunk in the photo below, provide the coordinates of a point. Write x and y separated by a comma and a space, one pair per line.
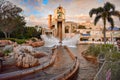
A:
104, 30
104, 33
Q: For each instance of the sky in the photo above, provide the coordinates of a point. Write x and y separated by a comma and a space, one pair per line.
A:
37, 11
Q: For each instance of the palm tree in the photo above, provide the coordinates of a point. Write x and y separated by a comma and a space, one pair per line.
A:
106, 12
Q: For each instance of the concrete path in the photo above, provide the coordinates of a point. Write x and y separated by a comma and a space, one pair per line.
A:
63, 62
87, 70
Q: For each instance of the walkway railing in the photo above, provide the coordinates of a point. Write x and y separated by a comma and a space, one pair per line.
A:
103, 71
20, 73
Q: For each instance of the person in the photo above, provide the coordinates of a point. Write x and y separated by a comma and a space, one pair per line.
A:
118, 43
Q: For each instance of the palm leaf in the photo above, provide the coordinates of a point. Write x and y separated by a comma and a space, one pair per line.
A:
97, 18
111, 21
108, 6
115, 13
100, 10
92, 11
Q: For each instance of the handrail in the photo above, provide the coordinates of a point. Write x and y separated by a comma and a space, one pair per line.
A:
96, 76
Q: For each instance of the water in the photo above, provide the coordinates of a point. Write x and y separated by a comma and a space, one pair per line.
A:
51, 41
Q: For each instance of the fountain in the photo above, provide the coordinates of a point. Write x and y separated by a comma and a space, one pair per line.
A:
51, 41
58, 31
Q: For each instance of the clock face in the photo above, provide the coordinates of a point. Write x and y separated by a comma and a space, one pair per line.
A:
59, 13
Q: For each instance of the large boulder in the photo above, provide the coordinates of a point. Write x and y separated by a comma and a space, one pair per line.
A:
1, 54
8, 48
39, 54
24, 57
35, 42
5, 42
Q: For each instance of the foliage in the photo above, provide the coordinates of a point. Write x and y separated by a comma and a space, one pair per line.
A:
6, 52
115, 56
25, 33
19, 41
10, 17
106, 12
95, 50
115, 69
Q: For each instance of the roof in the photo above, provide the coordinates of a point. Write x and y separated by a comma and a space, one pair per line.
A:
115, 28
85, 34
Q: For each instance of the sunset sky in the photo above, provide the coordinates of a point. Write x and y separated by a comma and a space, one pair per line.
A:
37, 11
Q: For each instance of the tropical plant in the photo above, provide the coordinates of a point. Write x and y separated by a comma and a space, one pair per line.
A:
106, 12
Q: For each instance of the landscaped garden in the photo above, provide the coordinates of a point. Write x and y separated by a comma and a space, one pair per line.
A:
107, 54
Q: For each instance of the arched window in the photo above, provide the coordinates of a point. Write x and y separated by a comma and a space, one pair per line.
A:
66, 29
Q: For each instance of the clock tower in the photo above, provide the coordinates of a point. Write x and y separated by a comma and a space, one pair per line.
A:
59, 21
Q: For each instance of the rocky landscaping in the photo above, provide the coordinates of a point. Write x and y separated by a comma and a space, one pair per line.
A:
17, 57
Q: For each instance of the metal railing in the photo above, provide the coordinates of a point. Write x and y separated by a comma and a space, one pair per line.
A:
102, 73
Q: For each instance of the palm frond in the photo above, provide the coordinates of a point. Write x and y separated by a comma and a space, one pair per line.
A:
111, 21
97, 18
96, 11
108, 6
115, 13
92, 11
99, 10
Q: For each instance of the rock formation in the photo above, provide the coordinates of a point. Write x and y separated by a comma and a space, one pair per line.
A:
24, 56
35, 43
5, 42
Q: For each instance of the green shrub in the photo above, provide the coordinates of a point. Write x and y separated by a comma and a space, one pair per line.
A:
6, 53
115, 56
19, 41
95, 50
12, 39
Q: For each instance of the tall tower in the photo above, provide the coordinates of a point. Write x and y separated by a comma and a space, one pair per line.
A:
59, 21
50, 21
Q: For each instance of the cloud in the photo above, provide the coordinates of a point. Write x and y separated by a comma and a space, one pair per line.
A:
76, 10
33, 20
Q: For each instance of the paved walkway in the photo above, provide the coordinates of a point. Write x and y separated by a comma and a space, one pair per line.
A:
63, 62
87, 70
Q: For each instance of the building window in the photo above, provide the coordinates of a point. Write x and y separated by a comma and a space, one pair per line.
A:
67, 29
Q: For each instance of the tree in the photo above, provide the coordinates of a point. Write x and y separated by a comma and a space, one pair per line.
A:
106, 12
18, 31
9, 17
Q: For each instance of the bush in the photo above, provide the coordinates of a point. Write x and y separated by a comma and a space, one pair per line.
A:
6, 53
19, 41
95, 50
12, 39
